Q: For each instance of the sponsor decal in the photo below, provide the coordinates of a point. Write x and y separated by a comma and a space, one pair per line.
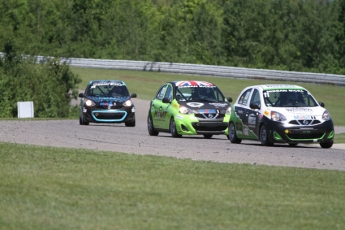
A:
296, 110
207, 111
179, 117
266, 113
240, 111
219, 104
246, 131
195, 104
304, 117
106, 83
106, 103
281, 86
252, 120
160, 114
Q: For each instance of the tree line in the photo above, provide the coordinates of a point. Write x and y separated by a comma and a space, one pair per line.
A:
296, 35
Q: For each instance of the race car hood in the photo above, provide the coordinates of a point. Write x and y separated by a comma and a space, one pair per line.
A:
205, 105
108, 99
298, 113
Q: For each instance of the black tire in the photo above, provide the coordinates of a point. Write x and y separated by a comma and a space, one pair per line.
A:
264, 138
150, 127
130, 123
208, 136
172, 128
326, 145
82, 121
232, 134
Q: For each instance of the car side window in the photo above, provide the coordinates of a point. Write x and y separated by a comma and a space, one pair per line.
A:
161, 92
255, 97
169, 93
245, 97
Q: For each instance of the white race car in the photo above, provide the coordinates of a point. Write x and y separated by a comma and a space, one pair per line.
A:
278, 113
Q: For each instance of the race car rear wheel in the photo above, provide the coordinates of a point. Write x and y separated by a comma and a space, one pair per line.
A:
150, 127
208, 136
232, 134
326, 145
264, 138
172, 128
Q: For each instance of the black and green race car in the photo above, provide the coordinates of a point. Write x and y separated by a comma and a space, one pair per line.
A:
189, 108
280, 113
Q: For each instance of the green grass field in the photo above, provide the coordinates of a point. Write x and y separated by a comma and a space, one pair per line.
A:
146, 84
57, 188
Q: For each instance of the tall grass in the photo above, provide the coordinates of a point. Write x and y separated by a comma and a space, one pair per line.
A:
57, 188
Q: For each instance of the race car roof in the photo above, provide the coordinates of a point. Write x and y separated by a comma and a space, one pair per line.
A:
280, 86
192, 83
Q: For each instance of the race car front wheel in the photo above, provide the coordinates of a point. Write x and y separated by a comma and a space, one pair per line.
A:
208, 136
130, 123
264, 138
172, 128
82, 121
326, 145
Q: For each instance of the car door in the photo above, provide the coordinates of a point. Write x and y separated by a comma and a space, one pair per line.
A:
240, 112
252, 112
165, 107
157, 112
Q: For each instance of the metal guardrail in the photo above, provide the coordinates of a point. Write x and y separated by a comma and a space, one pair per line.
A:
211, 70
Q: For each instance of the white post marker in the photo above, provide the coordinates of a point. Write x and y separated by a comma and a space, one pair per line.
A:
25, 109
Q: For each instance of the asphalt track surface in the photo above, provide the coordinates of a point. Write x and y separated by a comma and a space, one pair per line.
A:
135, 140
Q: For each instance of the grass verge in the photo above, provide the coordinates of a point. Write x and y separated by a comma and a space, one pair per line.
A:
57, 188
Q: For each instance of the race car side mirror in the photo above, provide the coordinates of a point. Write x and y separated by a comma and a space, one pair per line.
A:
254, 106
166, 100
322, 104
133, 95
81, 95
229, 99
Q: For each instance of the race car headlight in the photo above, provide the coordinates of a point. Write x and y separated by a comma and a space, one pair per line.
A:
326, 116
275, 116
185, 110
228, 111
89, 103
127, 103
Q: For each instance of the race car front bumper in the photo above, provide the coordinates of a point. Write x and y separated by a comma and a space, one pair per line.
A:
321, 133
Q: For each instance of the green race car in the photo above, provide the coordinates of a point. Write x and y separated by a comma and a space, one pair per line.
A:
189, 108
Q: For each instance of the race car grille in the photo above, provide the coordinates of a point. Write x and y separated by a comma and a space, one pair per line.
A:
109, 116
304, 122
209, 126
305, 136
209, 115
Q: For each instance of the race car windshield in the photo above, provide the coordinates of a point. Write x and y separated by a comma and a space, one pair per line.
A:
199, 94
108, 90
288, 98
